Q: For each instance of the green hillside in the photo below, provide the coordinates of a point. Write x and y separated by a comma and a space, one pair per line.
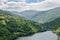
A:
12, 27
54, 26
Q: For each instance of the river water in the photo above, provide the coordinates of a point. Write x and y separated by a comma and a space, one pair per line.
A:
48, 35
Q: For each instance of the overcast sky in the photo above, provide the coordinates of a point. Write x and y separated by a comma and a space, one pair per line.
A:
22, 5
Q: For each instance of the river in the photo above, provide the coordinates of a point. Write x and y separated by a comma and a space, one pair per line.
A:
48, 35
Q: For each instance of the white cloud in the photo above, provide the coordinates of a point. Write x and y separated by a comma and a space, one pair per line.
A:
16, 4
3, 0
45, 5
22, 0
2, 5
22, 5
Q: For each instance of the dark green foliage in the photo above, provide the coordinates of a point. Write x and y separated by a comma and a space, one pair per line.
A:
54, 26
11, 27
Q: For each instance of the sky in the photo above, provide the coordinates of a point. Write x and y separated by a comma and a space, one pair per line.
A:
22, 5
29, 1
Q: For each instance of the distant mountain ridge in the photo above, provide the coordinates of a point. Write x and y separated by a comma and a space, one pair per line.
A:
14, 27
41, 16
38, 16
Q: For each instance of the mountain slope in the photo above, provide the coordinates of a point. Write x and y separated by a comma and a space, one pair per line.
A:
12, 26
54, 26
31, 13
41, 16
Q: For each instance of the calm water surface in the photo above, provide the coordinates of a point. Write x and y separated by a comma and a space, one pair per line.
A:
49, 35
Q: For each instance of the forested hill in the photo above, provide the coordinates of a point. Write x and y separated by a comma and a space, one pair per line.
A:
5, 12
54, 26
11, 27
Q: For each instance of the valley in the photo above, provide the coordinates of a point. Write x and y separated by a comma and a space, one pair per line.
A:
13, 26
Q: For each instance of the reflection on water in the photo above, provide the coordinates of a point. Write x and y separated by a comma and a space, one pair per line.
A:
49, 35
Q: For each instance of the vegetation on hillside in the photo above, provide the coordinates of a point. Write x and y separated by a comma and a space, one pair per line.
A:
11, 27
54, 26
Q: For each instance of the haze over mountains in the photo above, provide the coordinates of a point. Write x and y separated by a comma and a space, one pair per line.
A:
41, 16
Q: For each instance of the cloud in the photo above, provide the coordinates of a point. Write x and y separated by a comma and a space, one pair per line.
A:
22, 0
45, 5
3, 0
22, 5
2, 5
41, 6
16, 3
11, 5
